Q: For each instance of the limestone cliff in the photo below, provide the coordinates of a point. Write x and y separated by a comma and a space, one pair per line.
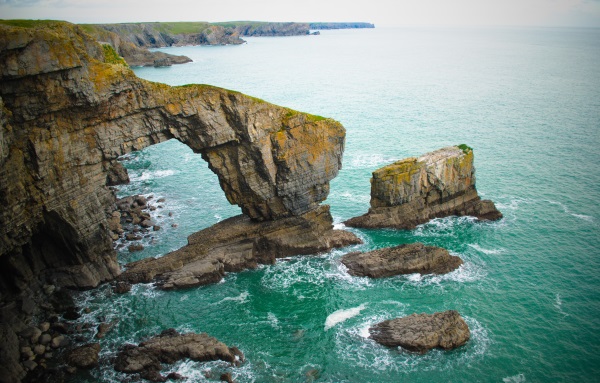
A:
412, 191
66, 115
69, 116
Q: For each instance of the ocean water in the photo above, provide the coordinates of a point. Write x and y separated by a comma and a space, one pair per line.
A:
527, 100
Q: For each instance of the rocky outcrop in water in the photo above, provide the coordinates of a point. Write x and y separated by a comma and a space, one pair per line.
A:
237, 244
67, 113
423, 332
412, 191
342, 25
170, 347
403, 259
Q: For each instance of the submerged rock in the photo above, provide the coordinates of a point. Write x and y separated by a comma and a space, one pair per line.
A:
403, 259
423, 332
412, 191
170, 347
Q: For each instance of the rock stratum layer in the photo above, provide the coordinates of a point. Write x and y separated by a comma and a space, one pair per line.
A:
423, 332
66, 115
412, 191
403, 259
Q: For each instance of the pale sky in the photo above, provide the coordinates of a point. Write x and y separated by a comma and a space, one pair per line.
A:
380, 12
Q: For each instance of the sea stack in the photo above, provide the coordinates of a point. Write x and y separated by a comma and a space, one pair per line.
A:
414, 190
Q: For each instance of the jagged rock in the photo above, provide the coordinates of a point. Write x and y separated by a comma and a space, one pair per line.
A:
169, 347
44, 326
103, 329
57, 341
236, 244
84, 356
122, 287
423, 332
117, 174
135, 247
226, 377
414, 190
403, 259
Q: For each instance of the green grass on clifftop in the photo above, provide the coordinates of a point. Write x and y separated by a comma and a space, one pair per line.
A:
465, 148
111, 56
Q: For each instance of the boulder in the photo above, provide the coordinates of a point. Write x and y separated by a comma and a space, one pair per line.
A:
412, 191
84, 356
403, 259
423, 332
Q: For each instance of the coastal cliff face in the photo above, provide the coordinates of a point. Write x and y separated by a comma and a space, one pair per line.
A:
68, 116
67, 113
412, 191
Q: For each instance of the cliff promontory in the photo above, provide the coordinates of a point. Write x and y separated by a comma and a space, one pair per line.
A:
412, 191
68, 110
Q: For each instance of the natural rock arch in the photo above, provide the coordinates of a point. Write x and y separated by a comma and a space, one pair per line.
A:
67, 116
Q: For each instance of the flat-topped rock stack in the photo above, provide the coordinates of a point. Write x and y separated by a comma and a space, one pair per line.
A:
415, 190
422, 332
403, 259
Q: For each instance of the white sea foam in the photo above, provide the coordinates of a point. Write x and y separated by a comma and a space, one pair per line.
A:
520, 378
486, 251
150, 175
342, 315
273, 320
362, 161
242, 298
587, 218
558, 305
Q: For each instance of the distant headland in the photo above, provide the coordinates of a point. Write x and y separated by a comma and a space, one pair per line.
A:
131, 40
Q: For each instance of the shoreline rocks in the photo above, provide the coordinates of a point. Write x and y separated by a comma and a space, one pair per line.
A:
422, 332
236, 244
403, 259
412, 191
170, 347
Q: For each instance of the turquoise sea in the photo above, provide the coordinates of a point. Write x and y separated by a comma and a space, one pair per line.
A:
526, 99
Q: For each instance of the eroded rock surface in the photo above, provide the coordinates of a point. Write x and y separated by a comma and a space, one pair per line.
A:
68, 111
423, 332
237, 244
403, 259
170, 347
412, 191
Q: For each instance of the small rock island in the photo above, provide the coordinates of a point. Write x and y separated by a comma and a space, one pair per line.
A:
414, 190
403, 259
422, 332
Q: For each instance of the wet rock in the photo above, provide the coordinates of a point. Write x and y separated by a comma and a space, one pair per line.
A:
49, 289
403, 259
175, 376
412, 191
169, 347
160, 200
122, 287
71, 314
45, 339
155, 228
44, 326
146, 223
132, 237
57, 341
117, 175
39, 349
103, 329
423, 332
226, 377
85, 357
26, 353
31, 333
135, 247
59, 327
30, 365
